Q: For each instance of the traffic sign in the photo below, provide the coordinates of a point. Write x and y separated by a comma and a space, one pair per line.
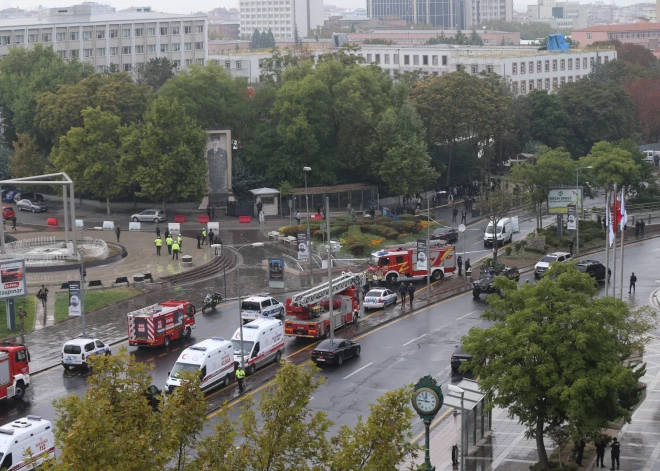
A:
461, 228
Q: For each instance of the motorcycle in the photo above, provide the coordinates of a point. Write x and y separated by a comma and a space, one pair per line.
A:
210, 302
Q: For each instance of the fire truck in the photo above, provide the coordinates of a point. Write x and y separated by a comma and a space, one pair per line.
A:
14, 370
401, 262
158, 324
306, 316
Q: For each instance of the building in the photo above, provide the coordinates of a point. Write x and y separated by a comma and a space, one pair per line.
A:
123, 39
226, 30
224, 15
285, 18
477, 12
644, 34
99, 9
421, 36
559, 15
438, 13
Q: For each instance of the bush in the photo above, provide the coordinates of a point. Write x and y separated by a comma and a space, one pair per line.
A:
291, 230
535, 250
524, 243
517, 246
555, 465
508, 250
383, 231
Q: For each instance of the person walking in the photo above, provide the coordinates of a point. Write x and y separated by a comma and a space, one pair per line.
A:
460, 265
13, 223
118, 232
467, 266
169, 242
411, 294
464, 217
580, 452
403, 291
211, 237
157, 231
42, 294
638, 228
167, 232
642, 224
199, 239
614, 452
203, 235
21, 316
159, 244
297, 218
600, 452
633, 280
179, 240
454, 213
240, 377
208, 211
212, 211
175, 250
570, 247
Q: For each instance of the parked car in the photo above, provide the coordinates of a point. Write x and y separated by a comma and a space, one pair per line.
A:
542, 265
335, 351
5, 190
31, 205
458, 358
379, 298
448, 234
150, 215
8, 212
28, 195
76, 352
9, 196
594, 268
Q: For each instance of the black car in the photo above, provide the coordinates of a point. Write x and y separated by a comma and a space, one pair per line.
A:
335, 351
458, 358
594, 268
448, 234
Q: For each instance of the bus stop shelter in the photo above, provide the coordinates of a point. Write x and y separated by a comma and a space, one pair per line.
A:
475, 420
359, 195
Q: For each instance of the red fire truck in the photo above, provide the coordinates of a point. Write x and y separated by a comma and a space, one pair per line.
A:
14, 370
401, 262
306, 316
158, 324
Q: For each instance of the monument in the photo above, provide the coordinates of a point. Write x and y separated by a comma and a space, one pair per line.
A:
219, 162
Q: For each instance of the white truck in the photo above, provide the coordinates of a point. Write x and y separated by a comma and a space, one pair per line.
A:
263, 342
213, 358
26, 443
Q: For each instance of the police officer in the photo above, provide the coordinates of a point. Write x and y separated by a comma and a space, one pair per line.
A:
600, 453
240, 377
179, 240
169, 242
411, 293
157, 231
199, 239
403, 291
614, 453
460, 265
159, 244
175, 250
203, 235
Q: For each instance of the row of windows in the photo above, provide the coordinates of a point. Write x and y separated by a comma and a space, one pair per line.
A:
127, 50
129, 67
650, 34
542, 84
375, 59
525, 67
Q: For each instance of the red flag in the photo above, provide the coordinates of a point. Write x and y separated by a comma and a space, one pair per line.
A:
616, 214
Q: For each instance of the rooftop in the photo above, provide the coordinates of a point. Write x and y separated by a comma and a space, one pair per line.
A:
619, 28
92, 18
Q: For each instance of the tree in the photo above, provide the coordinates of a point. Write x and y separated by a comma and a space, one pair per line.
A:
636, 54
5, 161
90, 155
155, 72
613, 163
540, 117
27, 160
645, 93
255, 43
555, 353
496, 206
271, 39
165, 154
475, 39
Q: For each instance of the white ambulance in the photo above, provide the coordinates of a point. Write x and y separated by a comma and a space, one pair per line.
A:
263, 342
213, 358
26, 443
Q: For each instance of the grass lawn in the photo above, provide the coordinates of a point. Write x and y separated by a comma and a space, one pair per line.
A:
93, 300
29, 304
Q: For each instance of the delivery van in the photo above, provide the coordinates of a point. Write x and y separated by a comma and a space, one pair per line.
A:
213, 358
263, 342
504, 233
26, 443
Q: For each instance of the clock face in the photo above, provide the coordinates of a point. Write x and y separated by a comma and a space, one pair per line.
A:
426, 401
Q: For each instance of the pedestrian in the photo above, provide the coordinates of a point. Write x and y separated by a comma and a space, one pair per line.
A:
411, 294
21, 316
159, 244
42, 294
403, 291
454, 213
208, 211
464, 217
13, 223
175, 250
609, 274
167, 233
203, 235
157, 231
297, 217
580, 452
637, 228
598, 220
261, 217
240, 377
600, 452
179, 241
467, 266
365, 289
460, 265
169, 242
212, 211
570, 247
118, 232
633, 280
259, 207
211, 237
199, 239
614, 453
642, 225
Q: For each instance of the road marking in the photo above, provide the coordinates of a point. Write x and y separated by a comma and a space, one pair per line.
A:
468, 314
161, 355
416, 338
357, 371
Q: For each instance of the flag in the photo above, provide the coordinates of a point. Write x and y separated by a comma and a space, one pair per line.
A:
610, 226
624, 214
616, 213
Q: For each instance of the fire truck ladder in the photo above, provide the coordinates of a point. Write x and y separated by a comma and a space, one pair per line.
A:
322, 291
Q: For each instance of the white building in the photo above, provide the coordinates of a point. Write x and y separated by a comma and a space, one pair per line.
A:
124, 39
285, 18
477, 12
560, 15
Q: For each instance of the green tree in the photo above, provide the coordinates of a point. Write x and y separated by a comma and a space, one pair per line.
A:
460, 38
90, 155
164, 155
555, 353
271, 39
540, 116
27, 160
613, 163
255, 43
5, 161
636, 54
475, 39
155, 72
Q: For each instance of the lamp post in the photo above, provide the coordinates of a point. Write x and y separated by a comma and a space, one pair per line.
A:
309, 238
461, 392
238, 284
428, 250
579, 208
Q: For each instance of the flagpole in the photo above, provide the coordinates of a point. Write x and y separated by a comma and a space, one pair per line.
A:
622, 209
607, 242
612, 217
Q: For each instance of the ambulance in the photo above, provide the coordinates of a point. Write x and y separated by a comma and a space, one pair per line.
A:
263, 342
213, 358
26, 443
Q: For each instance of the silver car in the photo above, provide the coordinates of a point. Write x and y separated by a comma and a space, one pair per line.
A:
150, 215
29, 205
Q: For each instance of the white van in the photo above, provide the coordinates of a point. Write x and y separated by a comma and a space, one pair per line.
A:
505, 230
26, 443
263, 342
260, 305
213, 358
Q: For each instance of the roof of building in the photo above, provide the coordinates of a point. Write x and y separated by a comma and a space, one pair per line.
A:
93, 18
620, 28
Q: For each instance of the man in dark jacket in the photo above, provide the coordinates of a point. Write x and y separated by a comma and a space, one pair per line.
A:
403, 291
460, 265
600, 453
580, 452
411, 293
615, 451
633, 280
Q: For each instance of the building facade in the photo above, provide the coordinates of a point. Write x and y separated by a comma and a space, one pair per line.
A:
477, 12
643, 34
560, 15
439, 13
421, 36
285, 18
123, 39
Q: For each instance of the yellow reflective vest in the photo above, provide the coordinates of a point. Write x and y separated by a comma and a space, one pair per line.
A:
175, 246
158, 242
240, 374
168, 241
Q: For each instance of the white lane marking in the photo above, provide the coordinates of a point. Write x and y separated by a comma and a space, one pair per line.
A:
357, 371
416, 338
468, 314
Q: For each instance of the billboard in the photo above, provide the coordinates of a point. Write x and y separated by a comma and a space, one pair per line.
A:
560, 198
571, 225
12, 279
75, 302
303, 246
421, 254
275, 273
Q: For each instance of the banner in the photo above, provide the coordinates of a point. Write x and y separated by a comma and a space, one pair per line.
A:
560, 198
275, 273
571, 225
12, 279
421, 255
303, 246
75, 304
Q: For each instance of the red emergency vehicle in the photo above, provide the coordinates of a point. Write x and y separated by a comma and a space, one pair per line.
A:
306, 316
14, 370
158, 324
401, 262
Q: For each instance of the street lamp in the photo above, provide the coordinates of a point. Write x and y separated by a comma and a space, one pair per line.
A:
579, 208
309, 238
428, 250
461, 392
238, 284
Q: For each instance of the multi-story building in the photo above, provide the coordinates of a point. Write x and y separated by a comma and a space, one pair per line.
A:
224, 15
439, 13
477, 12
421, 36
123, 39
285, 18
559, 15
644, 34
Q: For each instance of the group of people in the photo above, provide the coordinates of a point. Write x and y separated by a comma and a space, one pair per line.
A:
601, 445
174, 243
407, 291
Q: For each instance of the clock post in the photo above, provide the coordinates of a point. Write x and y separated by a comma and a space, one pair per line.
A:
427, 399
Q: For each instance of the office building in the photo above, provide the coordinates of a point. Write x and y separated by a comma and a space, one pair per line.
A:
439, 13
123, 39
559, 15
477, 12
643, 34
285, 18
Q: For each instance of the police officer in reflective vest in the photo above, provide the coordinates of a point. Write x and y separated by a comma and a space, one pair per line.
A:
179, 241
175, 250
168, 242
240, 377
203, 236
159, 244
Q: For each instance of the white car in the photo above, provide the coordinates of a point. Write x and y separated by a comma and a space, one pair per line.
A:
379, 298
542, 265
261, 305
149, 215
76, 352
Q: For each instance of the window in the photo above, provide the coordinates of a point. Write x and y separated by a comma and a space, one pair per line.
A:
176, 63
539, 67
47, 38
368, 58
100, 34
606, 59
114, 51
474, 69
489, 68
199, 46
88, 52
187, 46
114, 33
444, 60
99, 344
33, 38
591, 63
395, 58
164, 47
523, 86
163, 31
531, 85
554, 65
139, 32
187, 29
188, 62
87, 35
539, 84
562, 64
425, 60
588, 35
531, 67
570, 78
176, 46
547, 66
415, 60
176, 30
387, 58
151, 48
406, 60
570, 64
227, 64
75, 53
554, 83
60, 37
514, 87
522, 69
126, 50
100, 52
577, 64
547, 84
238, 64
514, 68
584, 62
62, 54
562, 81
7, 463
139, 49
126, 33
128, 67
200, 61
74, 36
434, 60
199, 29
151, 31
100, 68
377, 56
